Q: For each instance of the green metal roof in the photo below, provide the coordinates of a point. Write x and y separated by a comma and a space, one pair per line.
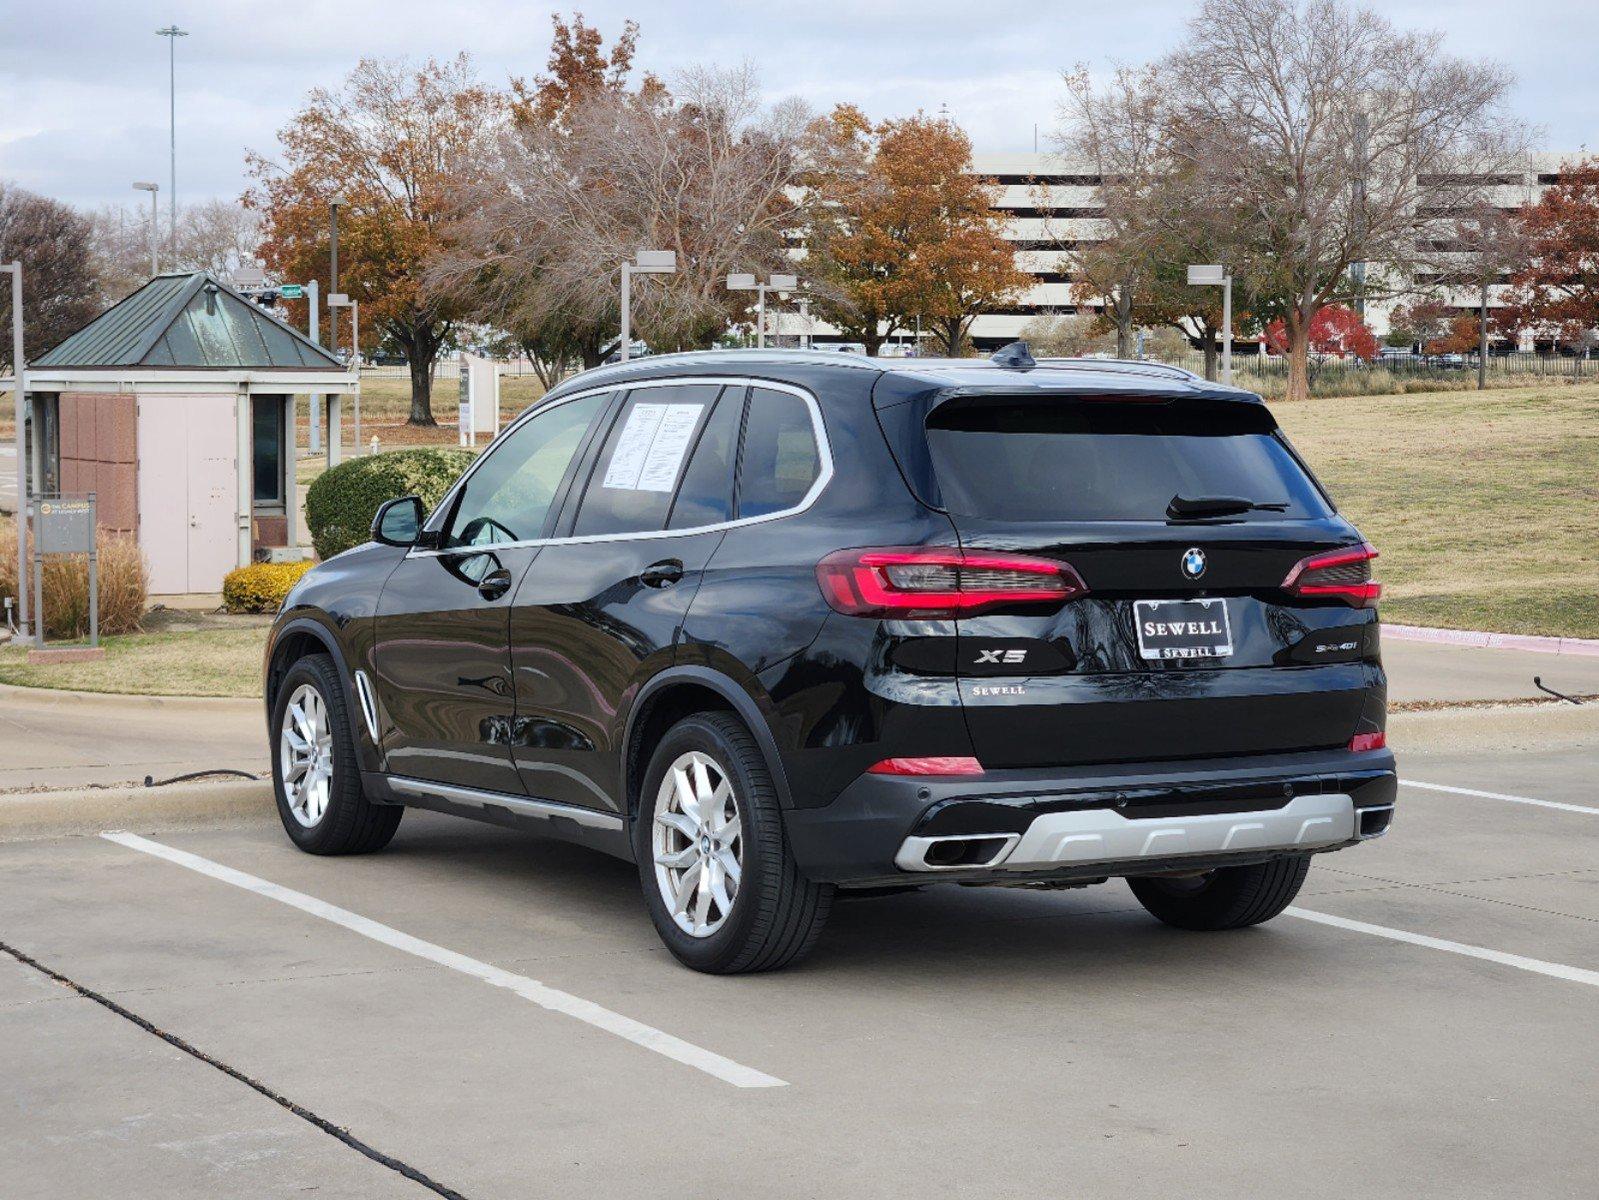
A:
188, 321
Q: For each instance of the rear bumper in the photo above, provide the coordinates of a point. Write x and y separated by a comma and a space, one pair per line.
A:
1064, 824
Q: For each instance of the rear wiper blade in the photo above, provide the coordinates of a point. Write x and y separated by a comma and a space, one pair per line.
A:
1219, 506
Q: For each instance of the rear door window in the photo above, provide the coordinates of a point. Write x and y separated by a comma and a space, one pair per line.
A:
705, 496
1054, 459
631, 485
780, 459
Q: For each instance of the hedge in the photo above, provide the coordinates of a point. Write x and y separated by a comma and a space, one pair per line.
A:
260, 587
340, 504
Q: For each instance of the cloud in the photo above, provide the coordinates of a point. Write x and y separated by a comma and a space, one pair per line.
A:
83, 103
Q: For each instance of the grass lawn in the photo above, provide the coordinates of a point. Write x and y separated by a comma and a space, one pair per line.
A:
207, 662
1484, 505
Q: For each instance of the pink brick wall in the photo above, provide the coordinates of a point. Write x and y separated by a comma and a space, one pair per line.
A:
99, 453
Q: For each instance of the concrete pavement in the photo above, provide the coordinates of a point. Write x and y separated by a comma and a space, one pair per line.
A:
1422, 673
952, 1042
54, 739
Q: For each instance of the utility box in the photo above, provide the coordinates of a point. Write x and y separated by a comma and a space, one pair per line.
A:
479, 414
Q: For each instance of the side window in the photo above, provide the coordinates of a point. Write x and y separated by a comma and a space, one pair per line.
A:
631, 485
706, 494
509, 495
780, 460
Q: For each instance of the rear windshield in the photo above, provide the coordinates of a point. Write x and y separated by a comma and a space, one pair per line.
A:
1113, 460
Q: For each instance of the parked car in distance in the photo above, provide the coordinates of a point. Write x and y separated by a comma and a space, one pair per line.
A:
775, 624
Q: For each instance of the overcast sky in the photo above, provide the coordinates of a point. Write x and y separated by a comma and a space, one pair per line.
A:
83, 85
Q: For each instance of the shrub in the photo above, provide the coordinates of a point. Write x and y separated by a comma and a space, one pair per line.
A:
65, 584
260, 587
340, 504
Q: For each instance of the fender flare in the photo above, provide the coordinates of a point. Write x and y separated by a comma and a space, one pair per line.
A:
729, 689
314, 628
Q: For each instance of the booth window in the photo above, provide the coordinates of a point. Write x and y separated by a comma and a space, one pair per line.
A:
267, 455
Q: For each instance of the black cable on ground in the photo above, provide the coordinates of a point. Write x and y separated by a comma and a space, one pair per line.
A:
303, 1113
1537, 682
152, 781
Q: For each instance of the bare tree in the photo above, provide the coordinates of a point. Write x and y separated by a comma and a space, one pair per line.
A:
707, 172
1118, 131
216, 235
1336, 134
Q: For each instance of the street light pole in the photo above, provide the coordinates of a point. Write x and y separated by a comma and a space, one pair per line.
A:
333, 271
1227, 330
745, 282
19, 397
645, 262
627, 310
1212, 274
172, 33
155, 222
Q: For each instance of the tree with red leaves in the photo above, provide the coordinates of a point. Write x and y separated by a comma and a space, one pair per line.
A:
1556, 294
1335, 332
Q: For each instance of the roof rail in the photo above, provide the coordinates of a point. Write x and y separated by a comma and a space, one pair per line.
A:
1130, 366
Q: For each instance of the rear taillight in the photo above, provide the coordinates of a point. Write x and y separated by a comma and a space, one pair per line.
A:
1369, 741
917, 581
926, 766
1336, 575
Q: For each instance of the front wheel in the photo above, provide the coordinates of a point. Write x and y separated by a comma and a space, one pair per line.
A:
315, 775
719, 880
1226, 898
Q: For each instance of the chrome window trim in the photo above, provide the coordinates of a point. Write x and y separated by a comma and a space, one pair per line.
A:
824, 451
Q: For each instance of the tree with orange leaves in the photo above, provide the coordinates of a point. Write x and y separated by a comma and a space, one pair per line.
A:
579, 69
901, 229
389, 140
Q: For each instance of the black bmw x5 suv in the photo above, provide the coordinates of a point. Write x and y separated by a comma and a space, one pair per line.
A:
773, 624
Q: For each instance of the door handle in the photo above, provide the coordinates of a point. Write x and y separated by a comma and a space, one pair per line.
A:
661, 574
495, 584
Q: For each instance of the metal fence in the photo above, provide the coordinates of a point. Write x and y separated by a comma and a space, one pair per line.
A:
1443, 368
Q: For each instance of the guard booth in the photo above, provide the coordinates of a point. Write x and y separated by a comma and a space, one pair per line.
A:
177, 408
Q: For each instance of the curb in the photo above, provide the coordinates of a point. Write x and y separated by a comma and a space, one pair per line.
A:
1581, 647
119, 701
27, 815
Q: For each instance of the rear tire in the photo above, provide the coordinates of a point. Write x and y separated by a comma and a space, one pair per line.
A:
766, 916
316, 777
1227, 898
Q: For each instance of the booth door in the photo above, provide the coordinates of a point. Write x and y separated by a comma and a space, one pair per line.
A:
188, 489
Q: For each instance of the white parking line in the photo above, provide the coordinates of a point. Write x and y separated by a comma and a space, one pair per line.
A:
544, 996
1536, 965
1460, 791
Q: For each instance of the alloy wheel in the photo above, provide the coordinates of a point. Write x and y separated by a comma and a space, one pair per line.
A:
698, 844
305, 755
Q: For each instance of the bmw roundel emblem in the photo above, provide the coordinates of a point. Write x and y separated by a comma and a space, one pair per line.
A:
1193, 562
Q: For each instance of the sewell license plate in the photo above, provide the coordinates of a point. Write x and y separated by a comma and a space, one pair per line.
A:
1183, 628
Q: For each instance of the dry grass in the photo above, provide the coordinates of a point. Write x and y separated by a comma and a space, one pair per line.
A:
65, 583
1485, 505
211, 662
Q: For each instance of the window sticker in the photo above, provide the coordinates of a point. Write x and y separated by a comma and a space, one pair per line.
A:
650, 451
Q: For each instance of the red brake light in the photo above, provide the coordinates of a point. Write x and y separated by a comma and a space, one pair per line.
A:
1369, 741
1337, 574
920, 581
926, 766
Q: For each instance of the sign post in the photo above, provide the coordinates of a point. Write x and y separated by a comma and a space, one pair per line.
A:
65, 526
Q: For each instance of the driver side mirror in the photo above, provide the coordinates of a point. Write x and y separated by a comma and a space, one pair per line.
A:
398, 522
